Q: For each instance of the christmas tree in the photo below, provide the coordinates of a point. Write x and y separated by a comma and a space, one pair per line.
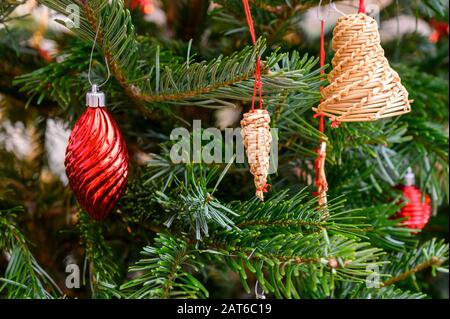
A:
367, 218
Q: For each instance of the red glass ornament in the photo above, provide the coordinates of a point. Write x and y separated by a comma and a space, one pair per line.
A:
440, 30
97, 162
147, 6
416, 211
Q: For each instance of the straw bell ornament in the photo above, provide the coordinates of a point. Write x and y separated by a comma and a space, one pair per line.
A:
362, 85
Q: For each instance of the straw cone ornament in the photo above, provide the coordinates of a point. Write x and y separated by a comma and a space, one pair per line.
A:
362, 86
257, 137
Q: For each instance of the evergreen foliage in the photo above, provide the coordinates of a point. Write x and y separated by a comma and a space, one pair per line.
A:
194, 230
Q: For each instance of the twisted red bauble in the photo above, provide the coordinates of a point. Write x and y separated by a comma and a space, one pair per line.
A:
416, 211
97, 162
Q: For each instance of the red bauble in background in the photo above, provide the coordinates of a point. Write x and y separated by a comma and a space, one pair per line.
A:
147, 6
97, 159
416, 211
440, 30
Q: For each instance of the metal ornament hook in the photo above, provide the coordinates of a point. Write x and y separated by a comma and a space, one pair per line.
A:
409, 177
257, 294
333, 6
319, 9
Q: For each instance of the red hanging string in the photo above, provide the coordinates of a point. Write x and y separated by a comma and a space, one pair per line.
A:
258, 83
362, 7
322, 64
335, 124
248, 15
266, 188
320, 156
322, 46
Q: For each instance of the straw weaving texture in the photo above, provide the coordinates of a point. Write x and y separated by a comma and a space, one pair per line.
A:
362, 85
257, 138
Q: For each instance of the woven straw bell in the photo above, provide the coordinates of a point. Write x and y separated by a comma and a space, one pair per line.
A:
362, 86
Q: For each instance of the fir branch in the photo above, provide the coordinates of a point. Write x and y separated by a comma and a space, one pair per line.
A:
24, 277
432, 253
434, 261
299, 212
279, 223
116, 38
55, 80
103, 271
117, 8
212, 84
361, 291
193, 203
165, 271
278, 259
7, 7
272, 18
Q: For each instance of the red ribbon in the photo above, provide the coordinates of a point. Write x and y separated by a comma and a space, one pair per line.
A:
322, 64
265, 188
335, 124
322, 46
317, 163
321, 121
362, 7
258, 83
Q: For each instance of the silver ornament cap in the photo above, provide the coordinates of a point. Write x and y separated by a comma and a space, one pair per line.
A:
95, 98
409, 177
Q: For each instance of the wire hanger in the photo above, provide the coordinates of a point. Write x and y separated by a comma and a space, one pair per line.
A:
319, 13
259, 295
331, 5
91, 58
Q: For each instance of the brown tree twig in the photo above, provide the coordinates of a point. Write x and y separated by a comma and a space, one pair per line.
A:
433, 261
279, 223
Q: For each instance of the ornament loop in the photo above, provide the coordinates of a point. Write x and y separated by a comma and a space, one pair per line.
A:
91, 58
257, 294
319, 11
